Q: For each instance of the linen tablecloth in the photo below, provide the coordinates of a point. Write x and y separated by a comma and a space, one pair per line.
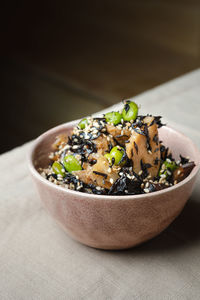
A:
39, 261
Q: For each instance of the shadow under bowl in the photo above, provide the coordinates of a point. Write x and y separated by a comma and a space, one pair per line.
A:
113, 222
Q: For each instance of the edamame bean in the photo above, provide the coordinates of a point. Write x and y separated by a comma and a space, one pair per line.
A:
113, 117
117, 152
130, 111
58, 168
71, 163
83, 123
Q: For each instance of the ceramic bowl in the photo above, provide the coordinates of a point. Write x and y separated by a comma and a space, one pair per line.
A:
113, 222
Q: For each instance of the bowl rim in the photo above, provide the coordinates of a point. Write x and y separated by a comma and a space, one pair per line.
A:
66, 125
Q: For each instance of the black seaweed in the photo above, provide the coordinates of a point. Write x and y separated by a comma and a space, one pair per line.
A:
126, 107
184, 160
101, 174
156, 161
125, 186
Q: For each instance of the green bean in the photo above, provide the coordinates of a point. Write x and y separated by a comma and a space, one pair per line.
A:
113, 117
117, 153
130, 111
58, 168
71, 163
82, 124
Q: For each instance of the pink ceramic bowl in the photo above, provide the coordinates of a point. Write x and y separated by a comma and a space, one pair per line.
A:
113, 222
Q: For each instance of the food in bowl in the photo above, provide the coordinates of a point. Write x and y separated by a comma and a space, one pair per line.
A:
119, 153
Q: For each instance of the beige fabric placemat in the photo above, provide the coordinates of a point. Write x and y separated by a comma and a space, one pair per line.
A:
39, 261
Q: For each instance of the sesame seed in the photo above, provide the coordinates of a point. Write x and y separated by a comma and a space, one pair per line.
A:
98, 188
168, 160
146, 190
178, 172
147, 185
168, 172
175, 182
163, 167
140, 173
163, 176
149, 151
142, 185
111, 181
75, 147
109, 170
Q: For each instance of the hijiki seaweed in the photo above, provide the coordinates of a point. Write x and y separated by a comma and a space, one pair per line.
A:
83, 144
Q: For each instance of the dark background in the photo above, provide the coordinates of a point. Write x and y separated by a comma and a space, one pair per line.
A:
62, 60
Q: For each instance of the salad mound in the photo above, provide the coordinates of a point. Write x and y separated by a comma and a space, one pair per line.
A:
117, 154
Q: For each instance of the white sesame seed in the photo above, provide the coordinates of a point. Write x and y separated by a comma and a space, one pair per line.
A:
75, 147
168, 172
147, 185
140, 173
146, 190
175, 182
163, 167
163, 176
111, 181
168, 160
178, 172
109, 170
98, 188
